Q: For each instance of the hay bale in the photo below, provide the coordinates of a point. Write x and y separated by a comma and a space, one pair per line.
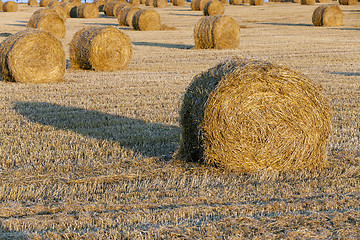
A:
70, 9
1, 5
10, 6
251, 115
257, 2
213, 7
236, 2
327, 15
218, 32
101, 49
134, 2
61, 11
149, 2
32, 56
160, 3
126, 15
198, 5
88, 10
100, 4
348, 2
146, 20
49, 22
178, 3
75, 2
109, 7
44, 3
225, 2
33, 3
142, 1
54, 3
118, 8
307, 2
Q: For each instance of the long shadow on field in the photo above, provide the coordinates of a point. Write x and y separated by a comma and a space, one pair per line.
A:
288, 24
149, 139
17, 25
189, 15
165, 45
347, 73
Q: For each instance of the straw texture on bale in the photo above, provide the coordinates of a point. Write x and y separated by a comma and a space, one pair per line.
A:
49, 22
327, 15
251, 115
100, 49
134, 2
160, 3
198, 5
218, 32
348, 2
75, 2
119, 7
109, 8
256, 2
146, 20
126, 15
88, 10
149, 2
214, 7
54, 3
235, 2
225, 2
10, 6
100, 4
32, 56
1, 5
178, 3
44, 3
61, 11
70, 9
307, 2
33, 3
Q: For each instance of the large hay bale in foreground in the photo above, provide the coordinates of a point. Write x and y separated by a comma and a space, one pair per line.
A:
327, 15
160, 3
213, 7
218, 32
348, 2
250, 115
307, 2
49, 22
88, 10
10, 6
32, 56
146, 20
70, 9
256, 2
33, 3
44, 3
178, 3
101, 49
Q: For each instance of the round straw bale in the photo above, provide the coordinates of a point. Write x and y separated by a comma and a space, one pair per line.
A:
146, 20
160, 3
54, 3
142, 1
307, 2
149, 2
198, 5
118, 8
10, 6
74, 54
109, 7
44, 3
88, 10
101, 49
251, 115
75, 2
49, 22
327, 15
130, 15
1, 5
235, 2
100, 4
123, 17
256, 2
214, 7
178, 3
134, 2
33, 3
32, 56
218, 32
60, 10
348, 2
70, 9
37, 12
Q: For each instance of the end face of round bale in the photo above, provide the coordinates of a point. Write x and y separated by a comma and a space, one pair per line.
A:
10, 6
146, 20
49, 22
101, 49
32, 56
213, 7
251, 115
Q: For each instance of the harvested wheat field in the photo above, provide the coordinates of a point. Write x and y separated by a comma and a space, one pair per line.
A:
95, 156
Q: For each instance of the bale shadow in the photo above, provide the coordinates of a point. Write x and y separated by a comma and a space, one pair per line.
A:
353, 29
105, 24
189, 15
346, 73
165, 45
146, 138
288, 24
22, 22
5, 34
17, 25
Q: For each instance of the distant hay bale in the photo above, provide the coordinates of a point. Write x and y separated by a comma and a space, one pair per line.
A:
213, 7
235, 2
1, 5
256, 2
101, 49
119, 7
44, 3
134, 2
198, 5
70, 9
49, 22
75, 2
178, 3
61, 11
149, 2
348, 2
307, 2
33, 3
54, 3
218, 32
160, 3
146, 20
126, 15
100, 4
251, 115
10, 6
87, 10
109, 7
327, 15
32, 56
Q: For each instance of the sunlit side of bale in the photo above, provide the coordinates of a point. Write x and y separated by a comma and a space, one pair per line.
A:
213, 7
327, 15
87, 10
10, 6
49, 22
146, 20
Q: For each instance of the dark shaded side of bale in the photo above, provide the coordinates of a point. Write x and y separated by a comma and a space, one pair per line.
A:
49, 22
146, 20
54, 3
100, 4
149, 2
348, 2
88, 10
218, 32
70, 9
235, 2
119, 7
160, 3
134, 2
256, 2
33, 3
327, 15
307, 2
178, 3
251, 115
101, 49
44, 3
32, 56
213, 7
10, 6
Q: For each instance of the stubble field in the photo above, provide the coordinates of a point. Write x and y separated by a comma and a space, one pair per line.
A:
93, 157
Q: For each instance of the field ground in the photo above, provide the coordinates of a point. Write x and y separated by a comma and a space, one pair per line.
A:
92, 157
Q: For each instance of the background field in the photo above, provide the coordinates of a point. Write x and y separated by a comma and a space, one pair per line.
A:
92, 157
